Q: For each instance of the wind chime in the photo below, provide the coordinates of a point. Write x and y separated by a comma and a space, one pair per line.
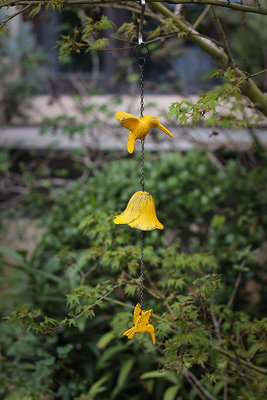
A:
140, 212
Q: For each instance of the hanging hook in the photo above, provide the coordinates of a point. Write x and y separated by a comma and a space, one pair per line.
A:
141, 21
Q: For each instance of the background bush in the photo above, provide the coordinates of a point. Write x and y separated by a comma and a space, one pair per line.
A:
79, 284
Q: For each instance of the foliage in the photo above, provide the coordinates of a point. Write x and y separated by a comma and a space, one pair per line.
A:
209, 103
246, 35
43, 5
81, 283
88, 38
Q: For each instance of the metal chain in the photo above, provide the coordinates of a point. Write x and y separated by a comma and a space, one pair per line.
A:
141, 63
142, 271
142, 180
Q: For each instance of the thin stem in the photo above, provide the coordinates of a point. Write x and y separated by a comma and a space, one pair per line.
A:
201, 17
258, 73
199, 384
7, 19
222, 34
190, 380
216, 326
219, 3
231, 300
247, 364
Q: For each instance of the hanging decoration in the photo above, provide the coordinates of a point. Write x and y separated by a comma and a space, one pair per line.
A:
140, 212
139, 128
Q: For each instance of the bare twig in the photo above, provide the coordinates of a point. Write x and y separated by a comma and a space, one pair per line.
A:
258, 73
218, 3
186, 375
201, 17
202, 390
4, 21
222, 34
231, 300
245, 363
216, 325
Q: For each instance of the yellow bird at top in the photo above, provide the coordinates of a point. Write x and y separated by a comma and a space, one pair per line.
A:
139, 128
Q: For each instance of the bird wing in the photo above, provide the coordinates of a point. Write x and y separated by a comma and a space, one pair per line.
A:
127, 120
130, 143
144, 318
137, 313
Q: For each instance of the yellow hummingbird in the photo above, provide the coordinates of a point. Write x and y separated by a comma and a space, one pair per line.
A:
141, 323
139, 128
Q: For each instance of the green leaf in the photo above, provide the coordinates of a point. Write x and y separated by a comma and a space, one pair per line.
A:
97, 387
125, 369
108, 354
16, 255
35, 10
171, 392
63, 351
157, 374
105, 340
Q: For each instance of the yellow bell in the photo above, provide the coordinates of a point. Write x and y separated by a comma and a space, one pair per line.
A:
140, 213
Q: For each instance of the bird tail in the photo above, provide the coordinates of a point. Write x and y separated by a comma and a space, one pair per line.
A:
130, 333
151, 330
130, 143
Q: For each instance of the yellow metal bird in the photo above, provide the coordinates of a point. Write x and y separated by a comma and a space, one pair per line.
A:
141, 323
139, 128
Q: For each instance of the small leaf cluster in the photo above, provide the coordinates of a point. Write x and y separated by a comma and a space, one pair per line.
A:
209, 106
86, 39
51, 5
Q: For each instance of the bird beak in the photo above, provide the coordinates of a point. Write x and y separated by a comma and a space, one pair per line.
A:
165, 130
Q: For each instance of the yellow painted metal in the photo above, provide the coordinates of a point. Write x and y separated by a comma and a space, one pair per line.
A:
141, 324
140, 213
139, 128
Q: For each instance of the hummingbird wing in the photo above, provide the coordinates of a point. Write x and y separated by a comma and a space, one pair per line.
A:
144, 319
127, 120
130, 142
137, 313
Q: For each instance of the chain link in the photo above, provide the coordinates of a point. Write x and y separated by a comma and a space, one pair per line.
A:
141, 63
142, 106
142, 180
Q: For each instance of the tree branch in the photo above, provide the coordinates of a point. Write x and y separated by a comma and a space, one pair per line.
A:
247, 364
248, 87
189, 374
218, 3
